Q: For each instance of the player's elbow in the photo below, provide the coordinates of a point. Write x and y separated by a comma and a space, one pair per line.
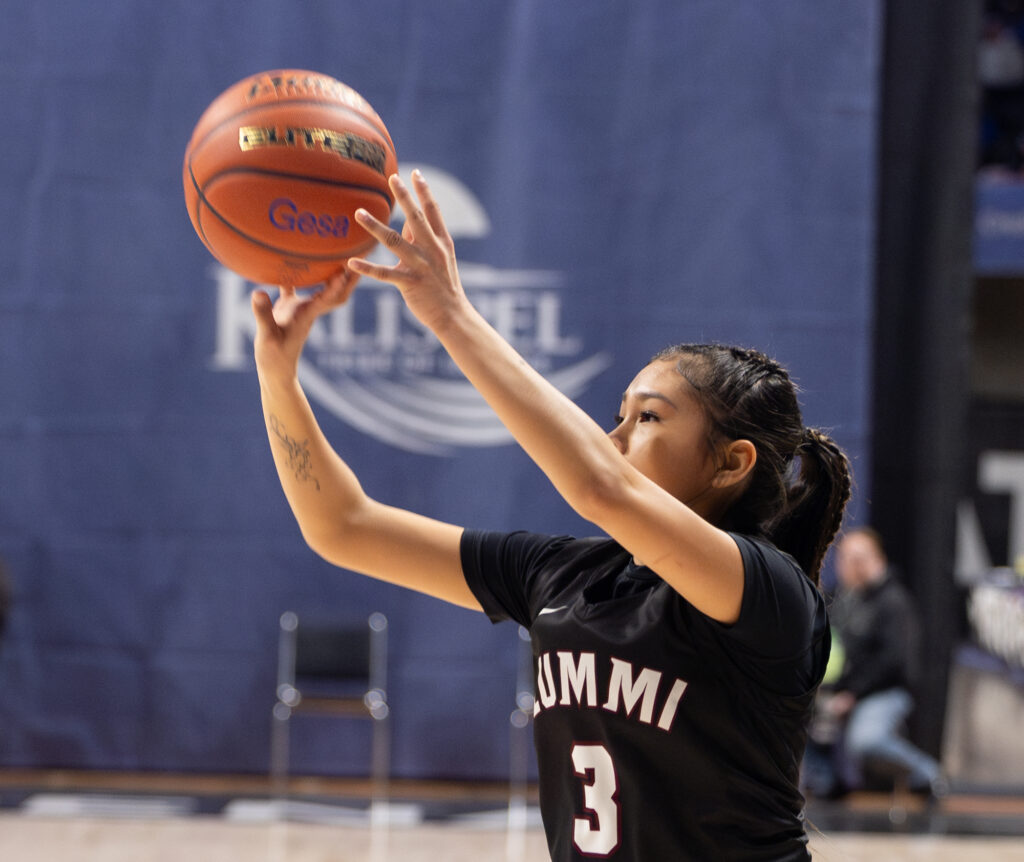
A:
600, 495
330, 537
321, 542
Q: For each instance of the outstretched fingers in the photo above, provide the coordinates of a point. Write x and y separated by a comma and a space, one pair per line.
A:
415, 218
371, 270
406, 246
430, 208
423, 243
423, 220
387, 236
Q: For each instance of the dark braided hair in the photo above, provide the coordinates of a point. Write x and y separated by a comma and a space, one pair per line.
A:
801, 480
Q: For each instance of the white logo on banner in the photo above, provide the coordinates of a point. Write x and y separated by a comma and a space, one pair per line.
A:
371, 364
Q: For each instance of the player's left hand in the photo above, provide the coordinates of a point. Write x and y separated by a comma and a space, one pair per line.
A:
426, 273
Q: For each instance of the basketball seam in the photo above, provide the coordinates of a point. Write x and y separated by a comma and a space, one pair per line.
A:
200, 199
285, 175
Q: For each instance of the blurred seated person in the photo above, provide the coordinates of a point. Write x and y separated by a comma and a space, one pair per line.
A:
861, 712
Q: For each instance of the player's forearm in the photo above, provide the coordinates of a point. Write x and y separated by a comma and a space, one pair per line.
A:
571, 449
321, 490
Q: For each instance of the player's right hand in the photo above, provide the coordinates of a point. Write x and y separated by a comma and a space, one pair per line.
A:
282, 326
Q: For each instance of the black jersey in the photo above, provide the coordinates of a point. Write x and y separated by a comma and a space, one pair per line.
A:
661, 734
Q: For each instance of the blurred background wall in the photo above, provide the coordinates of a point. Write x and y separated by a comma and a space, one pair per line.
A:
619, 176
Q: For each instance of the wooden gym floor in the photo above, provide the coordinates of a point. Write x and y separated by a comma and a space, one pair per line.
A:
59, 816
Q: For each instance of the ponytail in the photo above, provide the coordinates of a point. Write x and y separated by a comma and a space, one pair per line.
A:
816, 497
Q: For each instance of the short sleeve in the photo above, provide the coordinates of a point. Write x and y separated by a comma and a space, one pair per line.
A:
505, 570
783, 619
514, 575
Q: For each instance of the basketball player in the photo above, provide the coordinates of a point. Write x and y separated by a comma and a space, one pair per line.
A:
677, 657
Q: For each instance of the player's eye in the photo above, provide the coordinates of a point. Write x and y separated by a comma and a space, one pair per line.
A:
648, 416
617, 419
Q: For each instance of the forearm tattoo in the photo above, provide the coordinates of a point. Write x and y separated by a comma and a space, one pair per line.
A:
300, 462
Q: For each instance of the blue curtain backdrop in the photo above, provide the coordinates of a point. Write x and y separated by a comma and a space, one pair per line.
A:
620, 176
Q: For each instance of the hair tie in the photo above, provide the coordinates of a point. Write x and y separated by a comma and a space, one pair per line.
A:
809, 439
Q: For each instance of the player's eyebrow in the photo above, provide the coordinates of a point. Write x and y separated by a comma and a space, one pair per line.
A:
649, 394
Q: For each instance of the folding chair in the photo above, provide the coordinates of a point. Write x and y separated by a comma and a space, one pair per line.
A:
520, 747
338, 670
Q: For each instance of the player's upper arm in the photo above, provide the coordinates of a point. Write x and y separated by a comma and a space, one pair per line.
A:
700, 561
402, 548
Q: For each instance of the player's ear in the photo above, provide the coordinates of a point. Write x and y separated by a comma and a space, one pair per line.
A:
738, 459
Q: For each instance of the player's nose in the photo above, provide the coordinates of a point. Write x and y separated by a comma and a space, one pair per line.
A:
618, 436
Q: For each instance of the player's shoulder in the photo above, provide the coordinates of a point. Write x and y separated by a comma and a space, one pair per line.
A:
761, 556
775, 588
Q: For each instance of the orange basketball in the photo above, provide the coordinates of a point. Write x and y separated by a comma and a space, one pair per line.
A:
277, 166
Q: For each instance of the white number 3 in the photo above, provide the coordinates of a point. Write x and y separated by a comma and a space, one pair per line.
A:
596, 834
